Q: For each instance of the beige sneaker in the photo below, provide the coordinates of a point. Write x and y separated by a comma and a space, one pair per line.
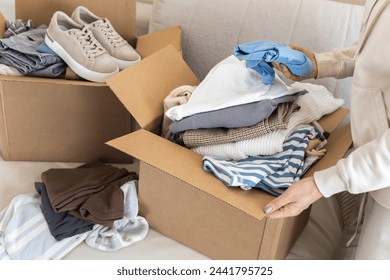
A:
123, 54
77, 46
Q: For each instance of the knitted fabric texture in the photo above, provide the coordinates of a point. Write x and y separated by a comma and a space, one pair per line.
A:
178, 96
201, 137
273, 173
313, 105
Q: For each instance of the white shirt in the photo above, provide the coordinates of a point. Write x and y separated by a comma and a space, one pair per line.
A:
228, 84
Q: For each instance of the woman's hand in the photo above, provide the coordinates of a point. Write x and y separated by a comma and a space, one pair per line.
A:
294, 200
287, 73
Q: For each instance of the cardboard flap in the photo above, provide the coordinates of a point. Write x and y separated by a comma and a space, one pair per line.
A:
121, 13
143, 87
187, 166
331, 121
151, 43
2, 25
338, 144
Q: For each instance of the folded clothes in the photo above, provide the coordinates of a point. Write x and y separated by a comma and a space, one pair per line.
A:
20, 51
313, 105
259, 55
233, 117
273, 173
213, 136
91, 192
61, 225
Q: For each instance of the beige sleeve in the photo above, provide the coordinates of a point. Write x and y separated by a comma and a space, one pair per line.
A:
339, 63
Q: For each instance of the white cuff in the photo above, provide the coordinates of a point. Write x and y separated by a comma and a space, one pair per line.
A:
330, 181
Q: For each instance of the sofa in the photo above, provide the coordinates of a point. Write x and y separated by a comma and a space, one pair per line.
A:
210, 30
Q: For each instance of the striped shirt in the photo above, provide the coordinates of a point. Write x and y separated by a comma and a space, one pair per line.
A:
25, 235
272, 173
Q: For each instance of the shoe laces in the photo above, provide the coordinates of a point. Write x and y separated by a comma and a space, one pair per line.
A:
109, 32
90, 45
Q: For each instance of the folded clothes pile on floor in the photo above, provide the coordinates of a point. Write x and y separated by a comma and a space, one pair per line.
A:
95, 203
252, 134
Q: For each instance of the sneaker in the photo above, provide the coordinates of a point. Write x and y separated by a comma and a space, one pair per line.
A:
77, 46
123, 53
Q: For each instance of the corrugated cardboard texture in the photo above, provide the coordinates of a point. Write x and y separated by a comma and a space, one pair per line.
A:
143, 87
280, 235
46, 122
196, 218
121, 13
209, 226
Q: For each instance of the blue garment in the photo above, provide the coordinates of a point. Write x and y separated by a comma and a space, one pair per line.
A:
61, 224
43, 48
273, 173
260, 54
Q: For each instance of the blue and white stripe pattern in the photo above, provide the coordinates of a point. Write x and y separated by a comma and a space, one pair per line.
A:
25, 235
273, 173
126, 231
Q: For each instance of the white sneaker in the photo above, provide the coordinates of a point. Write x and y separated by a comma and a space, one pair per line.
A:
77, 46
120, 50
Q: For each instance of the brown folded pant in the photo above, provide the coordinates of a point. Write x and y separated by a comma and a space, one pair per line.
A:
91, 192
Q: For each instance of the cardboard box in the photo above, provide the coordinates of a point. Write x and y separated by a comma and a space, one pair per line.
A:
180, 199
68, 120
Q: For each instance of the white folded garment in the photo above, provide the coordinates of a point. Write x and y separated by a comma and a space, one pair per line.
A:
6, 70
228, 84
